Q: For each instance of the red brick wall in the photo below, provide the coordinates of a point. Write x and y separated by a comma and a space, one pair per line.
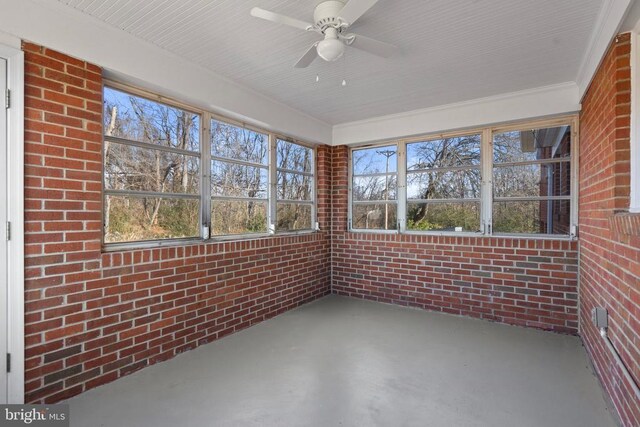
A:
529, 282
92, 317
609, 243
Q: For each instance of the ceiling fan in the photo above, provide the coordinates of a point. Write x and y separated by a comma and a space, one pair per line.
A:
332, 20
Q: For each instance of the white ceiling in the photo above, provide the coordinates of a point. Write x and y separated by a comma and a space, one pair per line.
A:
451, 50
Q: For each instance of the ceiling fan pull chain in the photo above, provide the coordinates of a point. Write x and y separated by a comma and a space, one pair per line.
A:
344, 70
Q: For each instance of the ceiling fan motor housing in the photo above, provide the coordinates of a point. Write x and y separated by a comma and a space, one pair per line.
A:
325, 14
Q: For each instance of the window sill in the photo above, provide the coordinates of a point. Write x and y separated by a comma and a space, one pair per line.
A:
624, 223
151, 244
466, 234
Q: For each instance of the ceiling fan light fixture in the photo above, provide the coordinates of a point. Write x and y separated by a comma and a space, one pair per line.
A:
330, 49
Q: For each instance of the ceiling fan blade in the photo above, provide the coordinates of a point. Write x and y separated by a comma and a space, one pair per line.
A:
375, 47
280, 19
354, 9
308, 57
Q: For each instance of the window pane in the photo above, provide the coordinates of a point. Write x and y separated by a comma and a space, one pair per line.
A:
294, 157
238, 217
532, 144
141, 169
460, 184
532, 180
130, 219
239, 144
139, 119
293, 186
532, 217
375, 160
381, 216
447, 152
375, 188
443, 216
293, 216
233, 180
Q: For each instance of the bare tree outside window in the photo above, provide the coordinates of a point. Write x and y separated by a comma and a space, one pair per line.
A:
443, 184
155, 187
517, 181
151, 169
374, 188
294, 186
239, 179
532, 181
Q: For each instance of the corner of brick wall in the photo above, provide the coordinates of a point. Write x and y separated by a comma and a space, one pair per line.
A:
92, 317
527, 282
609, 249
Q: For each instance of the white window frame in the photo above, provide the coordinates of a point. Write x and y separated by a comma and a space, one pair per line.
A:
572, 122
483, 185
206, 214
205, 177
401, 190
171, 103
273, 200
486, 168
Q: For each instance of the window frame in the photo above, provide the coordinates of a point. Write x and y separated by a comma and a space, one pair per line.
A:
572, 122
480, 201
273, 187
486, 171
113, 246
205, 158
207, 192
400, 188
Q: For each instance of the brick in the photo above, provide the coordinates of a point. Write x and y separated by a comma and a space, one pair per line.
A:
64, 78
64, 332
605, 252
62, 354
59, 375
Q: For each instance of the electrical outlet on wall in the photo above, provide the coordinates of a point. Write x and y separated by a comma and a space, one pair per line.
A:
600, 317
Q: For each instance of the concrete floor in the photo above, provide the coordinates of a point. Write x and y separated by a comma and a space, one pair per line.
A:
345, 362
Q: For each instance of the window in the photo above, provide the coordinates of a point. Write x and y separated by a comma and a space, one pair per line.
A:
151, 170
374, 188
443, 184
155, 187
294, 186
532, 181
511, 180
239, 180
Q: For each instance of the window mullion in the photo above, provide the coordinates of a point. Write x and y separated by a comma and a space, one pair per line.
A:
486, 186
350, 190
205, 174
314, 190
401, 183
272, 183
574, 177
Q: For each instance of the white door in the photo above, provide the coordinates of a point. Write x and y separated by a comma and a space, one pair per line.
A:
3, 235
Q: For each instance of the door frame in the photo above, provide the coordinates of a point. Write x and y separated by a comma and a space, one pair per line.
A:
11, 52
